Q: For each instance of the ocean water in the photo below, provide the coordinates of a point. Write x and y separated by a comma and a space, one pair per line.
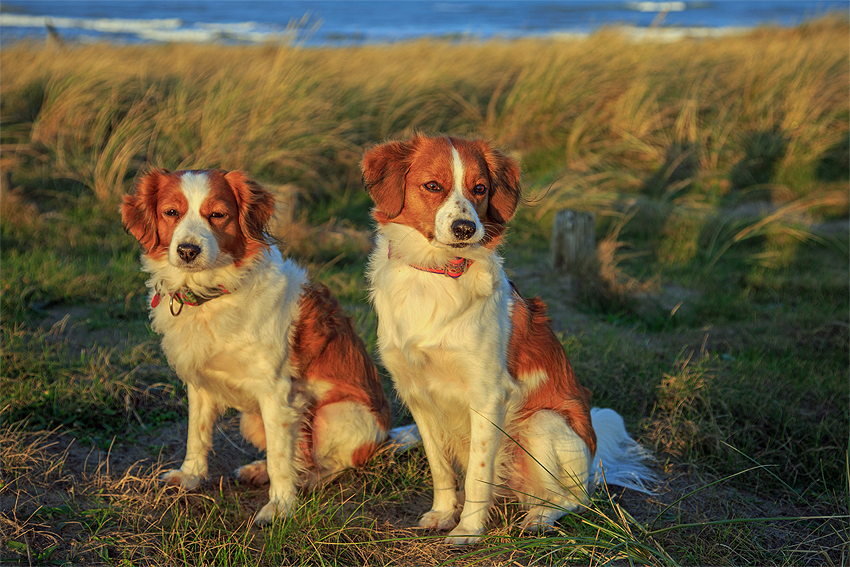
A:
324, 22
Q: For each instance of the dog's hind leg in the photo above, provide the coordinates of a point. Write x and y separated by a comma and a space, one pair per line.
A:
345, 435
551, 470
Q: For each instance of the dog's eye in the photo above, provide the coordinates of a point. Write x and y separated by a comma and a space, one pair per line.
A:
433, 187
479, 189
218, 215
172, 213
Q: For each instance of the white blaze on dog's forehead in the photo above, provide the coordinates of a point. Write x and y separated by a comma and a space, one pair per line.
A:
457, 197
196, 188
456, 207
457, 169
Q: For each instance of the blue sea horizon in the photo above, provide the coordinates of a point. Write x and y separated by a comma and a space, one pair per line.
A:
355, 22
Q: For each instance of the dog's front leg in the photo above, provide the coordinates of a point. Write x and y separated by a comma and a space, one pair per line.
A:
281, 423
486, 421
443, 512
202, 415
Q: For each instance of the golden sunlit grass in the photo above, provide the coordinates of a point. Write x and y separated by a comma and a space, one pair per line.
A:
714, 316
689, 111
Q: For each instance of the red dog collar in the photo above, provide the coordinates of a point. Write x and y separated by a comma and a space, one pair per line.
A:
454, 268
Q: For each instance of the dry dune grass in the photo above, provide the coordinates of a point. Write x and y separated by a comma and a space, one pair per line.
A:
278, 110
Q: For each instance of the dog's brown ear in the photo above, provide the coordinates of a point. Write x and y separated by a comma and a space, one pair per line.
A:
384, 170
256, 206
138, 210
505, 185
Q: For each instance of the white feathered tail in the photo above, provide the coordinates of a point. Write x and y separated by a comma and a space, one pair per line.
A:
400, 439
619, 460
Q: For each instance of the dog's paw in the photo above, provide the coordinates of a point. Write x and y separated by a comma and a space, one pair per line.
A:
540, 520
275, 510
253, 473
464, 535
177, 477
439, 519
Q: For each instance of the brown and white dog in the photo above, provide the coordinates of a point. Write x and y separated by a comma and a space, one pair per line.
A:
244, 328
479, 366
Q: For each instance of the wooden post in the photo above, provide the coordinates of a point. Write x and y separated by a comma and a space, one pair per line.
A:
573, 240
286, 207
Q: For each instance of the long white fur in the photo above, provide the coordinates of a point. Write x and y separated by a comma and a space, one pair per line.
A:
234, 351
445, 342
619, 459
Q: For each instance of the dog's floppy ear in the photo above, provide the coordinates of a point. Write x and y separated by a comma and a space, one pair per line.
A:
138, 210
384, 169
256, 207
505, 185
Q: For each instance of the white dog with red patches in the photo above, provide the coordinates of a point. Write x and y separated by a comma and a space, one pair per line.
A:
473, 360
244, 328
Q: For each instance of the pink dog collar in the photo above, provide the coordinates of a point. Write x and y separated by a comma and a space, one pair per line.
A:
454, 268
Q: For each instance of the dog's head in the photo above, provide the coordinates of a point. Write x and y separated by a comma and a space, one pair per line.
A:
198, 219
456, 192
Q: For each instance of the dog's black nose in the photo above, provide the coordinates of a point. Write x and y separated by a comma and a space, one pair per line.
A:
188, 252
463, 229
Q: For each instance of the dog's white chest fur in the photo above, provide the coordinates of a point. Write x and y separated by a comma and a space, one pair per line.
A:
433, 331
216, 346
